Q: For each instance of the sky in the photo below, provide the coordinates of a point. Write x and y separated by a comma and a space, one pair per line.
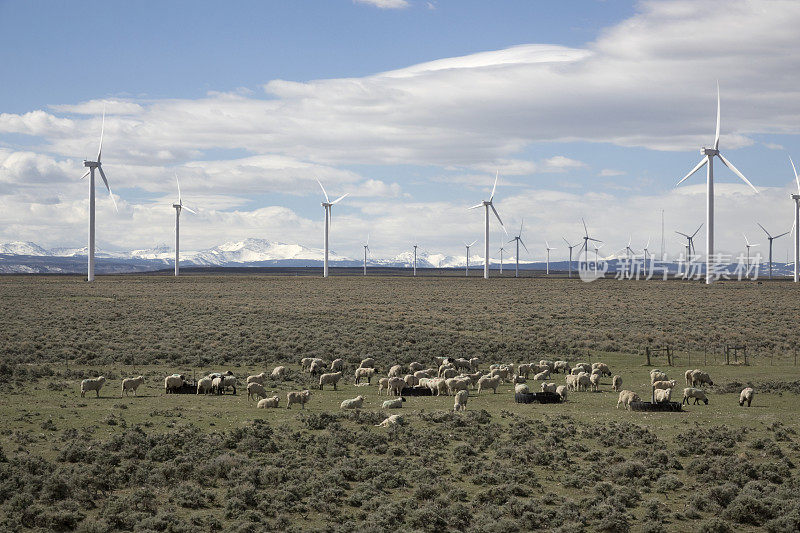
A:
587, 109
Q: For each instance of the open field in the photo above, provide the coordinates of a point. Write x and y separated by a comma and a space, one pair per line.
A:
182, 462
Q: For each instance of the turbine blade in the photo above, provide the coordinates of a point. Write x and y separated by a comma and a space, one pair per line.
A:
586, 231
102, 131
745, 239
87, 173
716, 137
523, 245
698, 229
473, 242
566, 241
646, 246
796, 178
340, 198
367, 240
781, 235
498, 218
736, 171
496, 175
680, 233
595, 240
765, 229
188, 209
523, 222
476, 206
695, 169
323, 190
179, 188
103, 175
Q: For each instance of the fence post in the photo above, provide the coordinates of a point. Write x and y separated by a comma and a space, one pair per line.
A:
647, 352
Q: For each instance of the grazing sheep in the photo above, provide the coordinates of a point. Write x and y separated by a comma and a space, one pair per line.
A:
657, 375
355, 403
317, 367
603, 368
746, 396
443, 367
94, 384
697, 394
364, 372
258, 378
216, 385
419, 374
411, 380
542, 376
561, 366
396, 371
473, 378
462, 364
502, 371
584, 381
524, 370
415, 366
279, 372
305, 362
688, 377
396, 386
489, 382
549, 364
229, 380
522, 388
449, 373
437, 386
457, 384
268, 403
518, 379
131, 384
665, 384
701, 378
383, 385
626, 397
662, 395
572, 382
173, 383
301, 397
329, 379
460, 403
561, 390
594, 382
583, 367
394, 420
367, 362
473, 363
337, 365
396, 403
256, 391
205, 385
549, 387
616, 383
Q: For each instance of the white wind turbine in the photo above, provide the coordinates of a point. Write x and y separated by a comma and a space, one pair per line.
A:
415, 260
468, 247
548, 248
646, 252
596, 255
178, 208
366, 249
708, 159
92, 165
796, 198
486, 204
518, 240
749, 245
570, 246
771, 238
628, 253
586, 240
501, 260
328, 205
689, 248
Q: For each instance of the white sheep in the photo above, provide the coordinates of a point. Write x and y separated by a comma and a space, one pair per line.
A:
204, 385
584, 381
688, 377
94, 384
460, 403
396, 386
572, 382
521, 388
228, 380
549, 387
542, 376
457, 384
665, 384
524, 370
561, 390
364, 372
448, 373
396, 371
561, 366
216, 384
616, 383
657, 375
662, 395
549, 364
301, 397
503, 372
415, 366
602, 367
256, 391
473, 363
594, 382
355, 403
462, 364
443, 367
337, 365
329, 379
489, 382
700, 378
396, 403
746, 396
383, 385
172, 383
268, 403
440, 385
697, 394
305, 362
394, 420
626, 397
411, 380
279, 372
582, 367
419, 374
129, 384
317, 367
473, 378
367, 362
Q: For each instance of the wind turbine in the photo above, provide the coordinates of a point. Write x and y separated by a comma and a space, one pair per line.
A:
646, 251
486, 204
328, 205
518, 240
178, 208
771, 238
547, 247
92, 165
708, 158
468, 247
501, 260
596, 259
796, 198
748, 245
628, 252
689, 248
586, 240
366, 249
570, 246
415, 260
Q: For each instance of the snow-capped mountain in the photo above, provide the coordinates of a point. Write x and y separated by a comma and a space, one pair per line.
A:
23, 248
258, 251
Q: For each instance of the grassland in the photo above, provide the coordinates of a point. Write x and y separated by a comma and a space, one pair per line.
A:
181, 463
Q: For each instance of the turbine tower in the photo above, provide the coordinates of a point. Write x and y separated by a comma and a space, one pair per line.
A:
708, 159
585, 247
92, 165
518, 240
547, 247
468, 247
748, 245
486, 204
178, 207
771, 238
796, 198
328, 205
596, 260
501, 260
646, 252
689, 248
570, 246
415, 260
366, 249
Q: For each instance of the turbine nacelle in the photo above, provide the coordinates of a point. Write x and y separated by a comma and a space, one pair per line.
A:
709, 151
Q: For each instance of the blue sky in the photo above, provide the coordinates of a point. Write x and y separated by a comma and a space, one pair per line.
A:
588, 109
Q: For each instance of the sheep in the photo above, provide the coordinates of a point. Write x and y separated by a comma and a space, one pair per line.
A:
256, 391
419, 374
542, 376
457, 384
626, 397
473, 378
449, 373
229, 380
524, 370
489, 382
521, 388
662, 395
396, 371
268, 403
305, 362
549, 364
318, 366
94, 384
396, 386
414, 367
396, 403
460, 403
301, 397
337, 365
394, 420
657, 375
584, 381
131, 384
432, 384
561, 366
411, 380
665, 384
518, 379
258, 378
616, 383
561, 390
604, 370
443, 367
549, 387
697, 394
473, 363
355, 403
462, 364
594, 382
701, 378
746, 396
279, 372
216, 385
584, 367
367, 362
502, 371
572, 382
172, 383
205, 385
688, 376
383, 385
364, 372
329, 379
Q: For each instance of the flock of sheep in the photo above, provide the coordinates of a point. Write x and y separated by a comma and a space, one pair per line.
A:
453, 377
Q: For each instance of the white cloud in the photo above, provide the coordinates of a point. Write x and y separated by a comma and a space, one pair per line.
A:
384, 4
610, 172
